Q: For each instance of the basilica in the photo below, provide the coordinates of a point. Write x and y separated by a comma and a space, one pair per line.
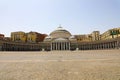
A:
61, 39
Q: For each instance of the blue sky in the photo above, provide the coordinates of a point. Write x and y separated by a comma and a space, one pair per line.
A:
77, 16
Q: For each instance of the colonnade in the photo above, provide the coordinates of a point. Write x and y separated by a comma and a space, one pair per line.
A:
19, 47
93, 46
60, 46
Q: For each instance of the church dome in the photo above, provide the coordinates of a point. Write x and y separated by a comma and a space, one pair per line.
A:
60, 33
47, 38
72, 38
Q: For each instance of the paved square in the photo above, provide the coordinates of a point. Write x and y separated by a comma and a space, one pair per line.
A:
60, 65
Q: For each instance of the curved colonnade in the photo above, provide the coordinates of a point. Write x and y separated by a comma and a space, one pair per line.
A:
97, 45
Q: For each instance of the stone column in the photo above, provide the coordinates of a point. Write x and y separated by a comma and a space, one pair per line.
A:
69, 45
61, 45
55, 45
108, 45
64, 45
51, 46
104, 46
58, 45
116, 44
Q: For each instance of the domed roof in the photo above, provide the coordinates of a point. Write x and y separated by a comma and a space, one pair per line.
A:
47, 38
72, 38
60, 33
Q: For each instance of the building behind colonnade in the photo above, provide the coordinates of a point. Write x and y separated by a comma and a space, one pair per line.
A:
61, 39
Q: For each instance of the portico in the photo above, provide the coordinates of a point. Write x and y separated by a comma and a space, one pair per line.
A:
60, 44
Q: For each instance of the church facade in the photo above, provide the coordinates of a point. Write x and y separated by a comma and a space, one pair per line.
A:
60, 39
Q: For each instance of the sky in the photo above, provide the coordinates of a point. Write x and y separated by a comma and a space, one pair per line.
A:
44, 16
